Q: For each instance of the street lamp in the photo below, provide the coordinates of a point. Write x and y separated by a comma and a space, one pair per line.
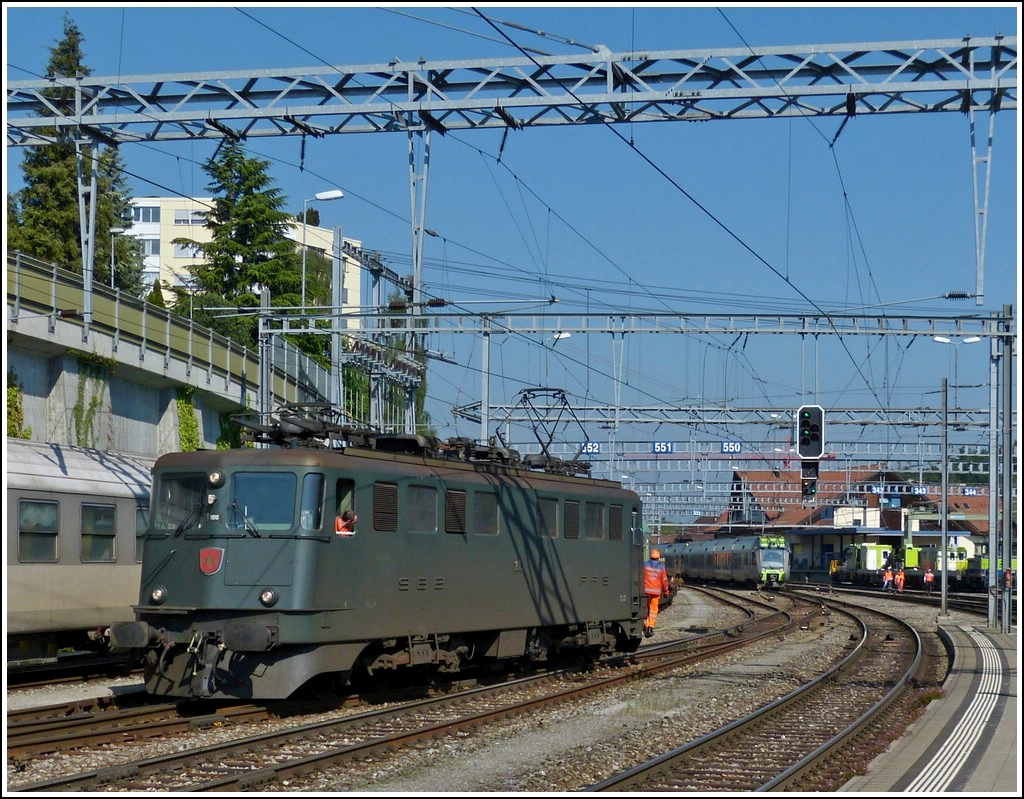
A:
956, 351
114, 233
333, 194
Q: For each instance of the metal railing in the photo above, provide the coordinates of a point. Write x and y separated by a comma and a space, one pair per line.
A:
46, 301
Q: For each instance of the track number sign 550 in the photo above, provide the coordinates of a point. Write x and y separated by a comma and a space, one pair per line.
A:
732, 447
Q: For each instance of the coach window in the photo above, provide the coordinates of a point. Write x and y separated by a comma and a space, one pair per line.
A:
421, 509
485, 513
455, 511
572, 519
311, 504
593, 523
141, 525
38, 523
99, 525
547, 517
385, 507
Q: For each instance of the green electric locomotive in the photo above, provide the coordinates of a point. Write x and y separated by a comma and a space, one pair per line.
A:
325, 553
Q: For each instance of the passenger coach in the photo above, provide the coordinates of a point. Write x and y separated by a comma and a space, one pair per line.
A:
75, 519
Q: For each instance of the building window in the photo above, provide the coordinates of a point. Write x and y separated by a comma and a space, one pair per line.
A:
146, 213
150, 246
189, 216
187, 251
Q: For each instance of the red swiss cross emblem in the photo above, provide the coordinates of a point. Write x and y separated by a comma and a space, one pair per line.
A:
210, 559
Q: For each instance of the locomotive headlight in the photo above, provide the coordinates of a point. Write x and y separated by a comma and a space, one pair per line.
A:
216, 479
268, 597
158, 596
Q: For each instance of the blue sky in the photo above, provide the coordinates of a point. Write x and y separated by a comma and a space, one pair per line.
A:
883, 220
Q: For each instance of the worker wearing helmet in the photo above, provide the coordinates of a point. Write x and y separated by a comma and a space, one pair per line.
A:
655, 587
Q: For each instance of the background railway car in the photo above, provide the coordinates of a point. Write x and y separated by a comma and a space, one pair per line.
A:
74, 523
864, 563
920, 558
461, 555
975, 575
760, 560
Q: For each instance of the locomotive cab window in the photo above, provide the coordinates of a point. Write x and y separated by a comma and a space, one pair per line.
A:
99, 525
179, 500
312, 502
261, 501
344, 490
38, 524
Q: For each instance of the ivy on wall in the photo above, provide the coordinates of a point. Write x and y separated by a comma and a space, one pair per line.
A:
16, 409
230, 432
93, 379
188, 424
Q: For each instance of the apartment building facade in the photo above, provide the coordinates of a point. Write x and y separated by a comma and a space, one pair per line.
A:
158, 221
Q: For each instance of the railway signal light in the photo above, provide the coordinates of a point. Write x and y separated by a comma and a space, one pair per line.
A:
811, 439
809, 479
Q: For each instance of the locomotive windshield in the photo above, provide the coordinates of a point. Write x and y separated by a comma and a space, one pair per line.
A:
261, 501
179, 500
772, 558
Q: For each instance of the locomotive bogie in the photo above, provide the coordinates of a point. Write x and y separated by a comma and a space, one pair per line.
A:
248, 572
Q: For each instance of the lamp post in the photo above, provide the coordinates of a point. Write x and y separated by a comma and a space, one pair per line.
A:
332, 194
114, 233
956, 359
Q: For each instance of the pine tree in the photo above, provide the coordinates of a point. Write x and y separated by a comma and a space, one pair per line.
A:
43, 218
249, 251
156, 296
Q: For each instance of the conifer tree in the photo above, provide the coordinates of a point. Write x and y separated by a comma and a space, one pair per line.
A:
249, 250
43, 218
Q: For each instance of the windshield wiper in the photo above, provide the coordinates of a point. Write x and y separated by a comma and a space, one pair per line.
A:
247, 522
191, 519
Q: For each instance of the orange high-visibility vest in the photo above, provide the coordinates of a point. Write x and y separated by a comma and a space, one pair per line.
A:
655, 578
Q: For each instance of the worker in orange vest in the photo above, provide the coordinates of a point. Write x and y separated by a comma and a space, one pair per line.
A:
929, 579
900, 579
887, 579
655, 587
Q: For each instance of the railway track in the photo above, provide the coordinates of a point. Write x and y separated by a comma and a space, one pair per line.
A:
283, 756
785, 744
